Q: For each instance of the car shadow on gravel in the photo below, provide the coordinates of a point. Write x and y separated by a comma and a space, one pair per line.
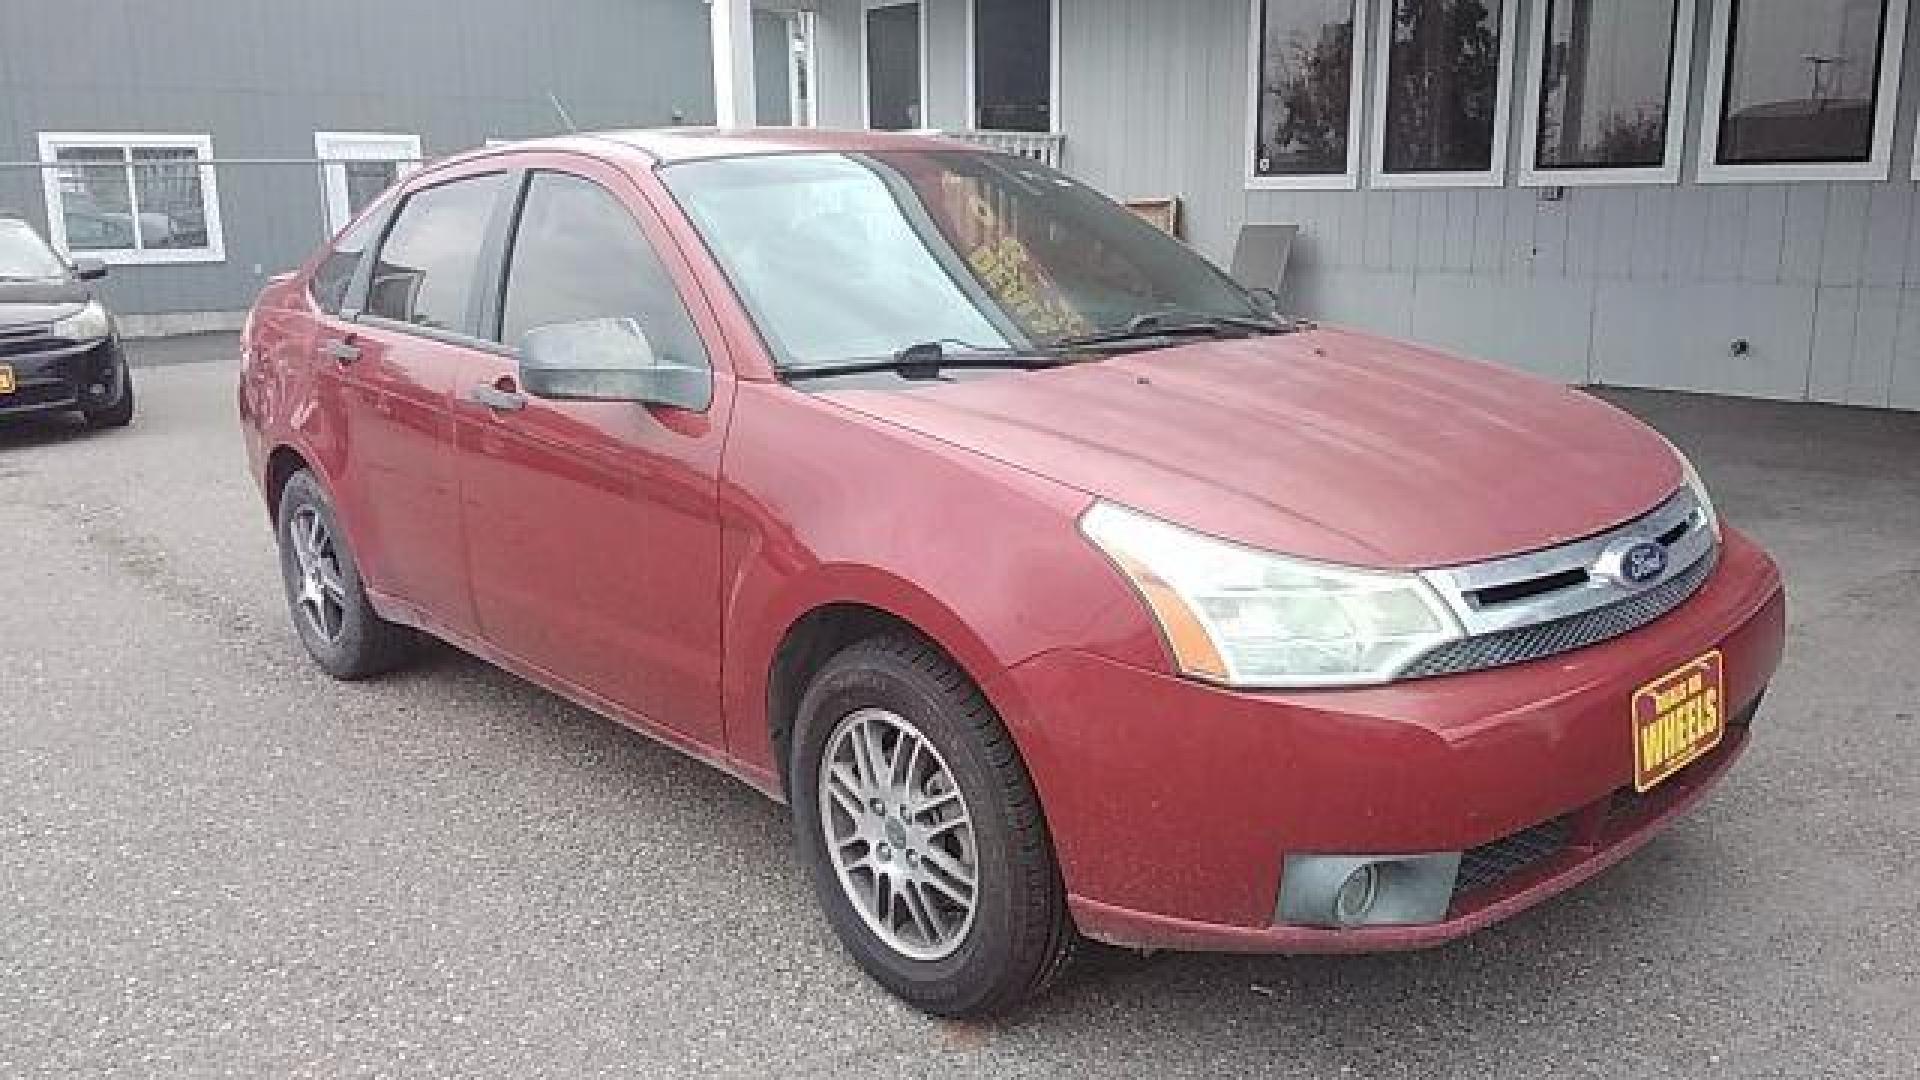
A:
22, 432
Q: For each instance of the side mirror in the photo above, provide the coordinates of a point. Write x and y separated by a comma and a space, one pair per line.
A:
89, 269
607, 360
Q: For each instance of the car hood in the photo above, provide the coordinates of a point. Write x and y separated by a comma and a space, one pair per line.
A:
34, 303
1324, 444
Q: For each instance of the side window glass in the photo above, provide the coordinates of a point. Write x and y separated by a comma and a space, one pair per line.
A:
579, 255
335, 273
425, 272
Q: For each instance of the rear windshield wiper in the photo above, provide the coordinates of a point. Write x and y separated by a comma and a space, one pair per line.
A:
927, 359
1150, 325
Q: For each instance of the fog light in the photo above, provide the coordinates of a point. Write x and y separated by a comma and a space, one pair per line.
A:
1347, 891
1355, 898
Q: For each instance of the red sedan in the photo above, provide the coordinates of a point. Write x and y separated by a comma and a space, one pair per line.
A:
1059, 584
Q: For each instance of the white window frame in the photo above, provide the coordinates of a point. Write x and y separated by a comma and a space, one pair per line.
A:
51, 142
1053, 70
1886, 106
1356, 108
1668, 171
1496, 173
866, 74
333, 148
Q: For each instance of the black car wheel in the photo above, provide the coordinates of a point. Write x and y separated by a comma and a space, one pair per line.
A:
337, 624
924, 836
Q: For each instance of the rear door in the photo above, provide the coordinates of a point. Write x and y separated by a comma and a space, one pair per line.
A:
592, 527
393, 364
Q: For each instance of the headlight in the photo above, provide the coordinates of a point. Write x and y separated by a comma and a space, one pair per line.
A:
87, 324
1699, 490
1248, 618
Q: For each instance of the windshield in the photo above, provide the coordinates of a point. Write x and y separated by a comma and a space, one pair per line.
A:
24, 256
847, 256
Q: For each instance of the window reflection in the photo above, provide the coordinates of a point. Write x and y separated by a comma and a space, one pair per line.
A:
1306, 85
1802, 77
1443, 85
1603, 94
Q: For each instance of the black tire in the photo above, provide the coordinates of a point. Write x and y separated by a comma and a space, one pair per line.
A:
363, 644
120, 413
1020, 936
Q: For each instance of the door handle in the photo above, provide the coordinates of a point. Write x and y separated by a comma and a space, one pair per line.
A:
341, 351
499, 398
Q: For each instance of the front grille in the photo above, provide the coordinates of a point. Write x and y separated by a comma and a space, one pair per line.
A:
24, 344
1490, 864
1524, 643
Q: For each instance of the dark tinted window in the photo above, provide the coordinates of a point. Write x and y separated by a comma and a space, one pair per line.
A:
425, 273
579, 255
330, 281
1013, 64
1603, 89
1306, 87
1802, 77
1443, 85
893, 67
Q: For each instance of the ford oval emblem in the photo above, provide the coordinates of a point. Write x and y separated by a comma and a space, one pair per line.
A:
1643, 562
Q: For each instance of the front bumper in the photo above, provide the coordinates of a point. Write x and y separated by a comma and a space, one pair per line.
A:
51, 375
1173, 805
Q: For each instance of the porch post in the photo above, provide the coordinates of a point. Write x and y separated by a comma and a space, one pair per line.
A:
733, 92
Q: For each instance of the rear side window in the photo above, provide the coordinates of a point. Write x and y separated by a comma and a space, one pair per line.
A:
578, 255
426, 270
335, 274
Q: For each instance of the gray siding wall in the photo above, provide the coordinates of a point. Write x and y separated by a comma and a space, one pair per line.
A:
262, 78
1639, 286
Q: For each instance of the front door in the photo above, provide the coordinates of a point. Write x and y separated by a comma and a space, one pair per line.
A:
393, 365
593, 534
893, 67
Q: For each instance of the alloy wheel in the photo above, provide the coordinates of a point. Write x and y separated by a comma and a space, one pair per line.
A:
320, 594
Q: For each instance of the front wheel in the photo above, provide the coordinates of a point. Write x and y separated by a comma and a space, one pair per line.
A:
118, 412
923, 834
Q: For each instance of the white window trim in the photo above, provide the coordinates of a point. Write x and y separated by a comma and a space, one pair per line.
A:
1493, 176
327, 146
866, 74
1053, 70
1668, 171
1356, 108
202, 146
1886, 106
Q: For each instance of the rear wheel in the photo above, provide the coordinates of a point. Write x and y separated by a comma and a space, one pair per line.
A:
920, 825
337, 624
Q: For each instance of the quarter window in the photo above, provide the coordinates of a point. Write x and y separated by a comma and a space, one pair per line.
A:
132, 198
1802, 89
335, 274
1306, 92
578, 254
1441, 108
427, 267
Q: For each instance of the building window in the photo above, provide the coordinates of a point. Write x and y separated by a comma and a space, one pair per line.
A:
1012, 65
1305, 93
1802, 90
1607, 86
356, 166
132, 198
1440, 106
892, 45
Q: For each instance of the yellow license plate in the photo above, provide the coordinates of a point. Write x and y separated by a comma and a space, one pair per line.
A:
1677, 718
6, 379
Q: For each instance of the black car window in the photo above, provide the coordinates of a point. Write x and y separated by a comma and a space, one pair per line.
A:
579, 254
426, 269
335, 273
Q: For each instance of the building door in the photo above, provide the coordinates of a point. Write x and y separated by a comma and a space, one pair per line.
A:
356, 166
892, 46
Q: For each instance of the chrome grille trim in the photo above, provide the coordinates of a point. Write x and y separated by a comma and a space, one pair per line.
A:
1523, 643
1565, 598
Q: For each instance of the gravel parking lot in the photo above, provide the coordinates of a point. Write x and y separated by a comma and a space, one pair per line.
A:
213, 860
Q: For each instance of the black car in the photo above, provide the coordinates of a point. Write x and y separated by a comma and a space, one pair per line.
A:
59, 349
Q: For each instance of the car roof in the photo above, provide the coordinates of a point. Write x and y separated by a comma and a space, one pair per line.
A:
665, 146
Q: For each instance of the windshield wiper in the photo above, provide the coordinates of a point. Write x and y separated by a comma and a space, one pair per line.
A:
927, 359
1149, 325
